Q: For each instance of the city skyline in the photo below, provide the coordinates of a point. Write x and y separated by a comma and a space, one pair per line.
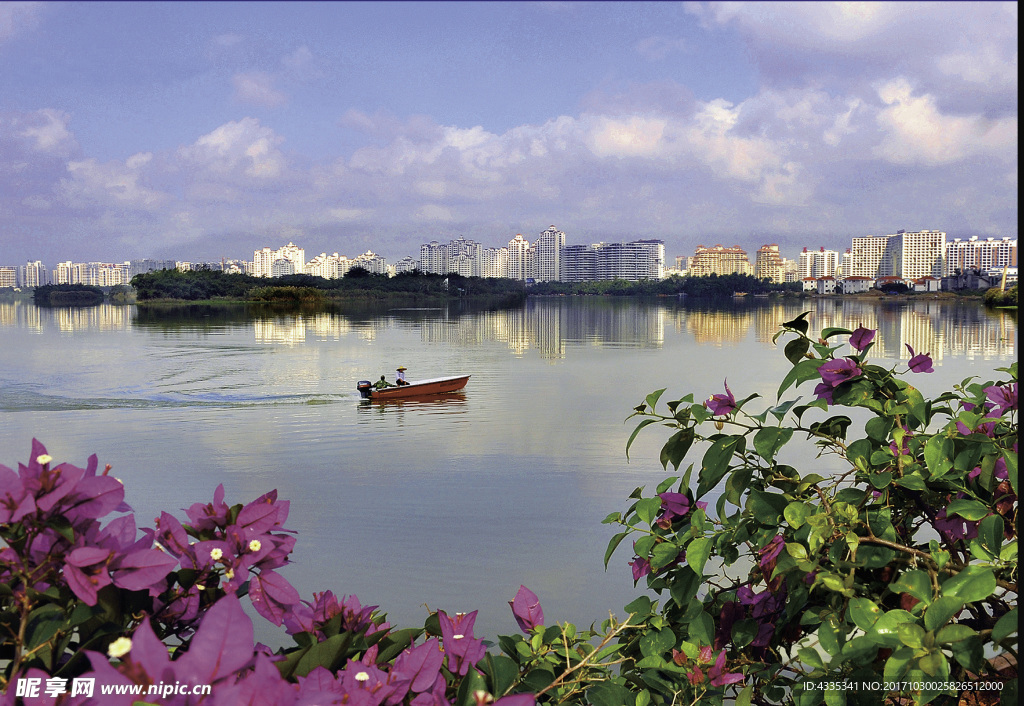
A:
142, 130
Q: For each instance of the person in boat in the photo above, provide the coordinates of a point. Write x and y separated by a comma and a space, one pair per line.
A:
401, 376
381, 384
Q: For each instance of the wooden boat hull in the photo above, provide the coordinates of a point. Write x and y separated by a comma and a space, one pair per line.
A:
419, 388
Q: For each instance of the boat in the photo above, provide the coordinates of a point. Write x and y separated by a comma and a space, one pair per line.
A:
419, 388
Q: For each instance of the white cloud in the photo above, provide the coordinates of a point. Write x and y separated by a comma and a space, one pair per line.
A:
48, 131
258, 88
242, 146
915, 131
634, 136
109, 184
434, 212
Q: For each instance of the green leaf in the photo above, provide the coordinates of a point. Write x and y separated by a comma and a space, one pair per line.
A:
613, 544
941, 611
954, 633
831, 331
910, 634
652, 399
766, 507
641, 425
329, 654
501, 672
606, 693
716, 463
768, 441
864, 613
663, 555
1011, 467
1005, 626
967, 509
806, 369
795, 349
917, 583
897, 664
884, 631
702, 629
796, 513
42, 624
973, 583
657, 642
798, 324
697, 553
648, 508
676, 447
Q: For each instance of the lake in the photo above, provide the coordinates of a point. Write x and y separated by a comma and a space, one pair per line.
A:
449, 503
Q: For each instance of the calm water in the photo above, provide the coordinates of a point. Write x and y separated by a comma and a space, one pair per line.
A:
451, 503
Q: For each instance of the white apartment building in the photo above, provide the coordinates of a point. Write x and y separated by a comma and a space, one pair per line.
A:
434, 258
34, 274
908, 255
328, 266
818, 263
96, 274
517, 248
263, 260
494, 262
549, 246
371, 262
8, 277
987, 254
464, 256
406, 264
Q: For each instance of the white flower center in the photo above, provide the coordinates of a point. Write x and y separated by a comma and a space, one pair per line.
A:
362, 676
43, 459
457, 637
254, 545
119, 647
216, 553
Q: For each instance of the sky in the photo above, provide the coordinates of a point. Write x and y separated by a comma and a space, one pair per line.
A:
205, 130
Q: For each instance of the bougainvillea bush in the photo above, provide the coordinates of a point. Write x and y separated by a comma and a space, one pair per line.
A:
894, 580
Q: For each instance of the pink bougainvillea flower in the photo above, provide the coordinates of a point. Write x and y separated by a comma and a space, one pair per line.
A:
526, 609
722, 404
460, 647
919, 362
1004, 398
839, 370
862, 338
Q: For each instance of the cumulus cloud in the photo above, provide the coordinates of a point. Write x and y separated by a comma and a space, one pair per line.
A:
915, 131
240, 148
47, 131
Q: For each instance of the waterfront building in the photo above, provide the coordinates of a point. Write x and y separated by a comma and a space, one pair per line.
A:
906, 255
855, 284
517, 248
974, 254
494, 262
406, 264
818, 263
263, 260
549, 246
846, 264
464, 257
434, 258
8, 277
34, 274
769, 264
720, 260
95, 274
634, 261
328, 266
371, 262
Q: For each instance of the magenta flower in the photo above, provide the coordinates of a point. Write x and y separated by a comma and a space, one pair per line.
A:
722, 404
460, 647
719, 677
640, 566
673, 505
824, 391
919, 362
839, 370
1004, 398
770, 555
15, 501
422, 665
862, 338
526, 609
272, 596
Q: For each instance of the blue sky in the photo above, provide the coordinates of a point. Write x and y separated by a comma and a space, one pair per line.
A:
206, 130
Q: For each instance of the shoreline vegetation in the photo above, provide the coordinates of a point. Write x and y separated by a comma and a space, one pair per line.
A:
358, 286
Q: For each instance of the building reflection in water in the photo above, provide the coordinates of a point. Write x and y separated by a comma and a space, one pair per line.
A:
553, 326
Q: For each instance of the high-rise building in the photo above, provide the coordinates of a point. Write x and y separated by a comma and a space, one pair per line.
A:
987, 254
263, 260
434, 258
517, 248
494, 262
633, 261
768, 264
549, 246
372, 262
720, 260
908, 255
8, 277
818, 263
464, 257
328, 266
34, 274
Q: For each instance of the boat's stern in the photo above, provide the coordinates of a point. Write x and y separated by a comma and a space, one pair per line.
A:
364, 387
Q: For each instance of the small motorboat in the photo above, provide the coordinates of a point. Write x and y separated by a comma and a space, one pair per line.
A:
432, 386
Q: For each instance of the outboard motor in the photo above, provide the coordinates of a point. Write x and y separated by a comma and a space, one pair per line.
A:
364, 387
